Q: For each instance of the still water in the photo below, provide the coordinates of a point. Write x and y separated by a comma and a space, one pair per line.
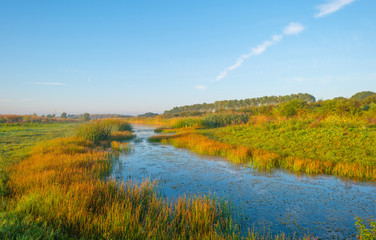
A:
324, 206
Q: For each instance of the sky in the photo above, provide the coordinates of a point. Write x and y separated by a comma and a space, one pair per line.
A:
132, 57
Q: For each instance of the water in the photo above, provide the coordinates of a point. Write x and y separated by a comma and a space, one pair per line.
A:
323, 206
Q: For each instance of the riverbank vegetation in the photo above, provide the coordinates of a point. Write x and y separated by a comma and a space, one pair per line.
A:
62, 190
336, 137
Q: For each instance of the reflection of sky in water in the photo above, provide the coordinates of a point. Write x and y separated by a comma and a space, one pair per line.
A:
324, 206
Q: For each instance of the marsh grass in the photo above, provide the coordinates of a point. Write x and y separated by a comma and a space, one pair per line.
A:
62, 191
341, 147
94, 131
59, 187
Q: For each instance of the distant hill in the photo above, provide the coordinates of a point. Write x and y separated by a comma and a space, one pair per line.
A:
148, 114
198, 109
362, 95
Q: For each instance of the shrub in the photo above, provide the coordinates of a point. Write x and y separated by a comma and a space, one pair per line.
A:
94, 131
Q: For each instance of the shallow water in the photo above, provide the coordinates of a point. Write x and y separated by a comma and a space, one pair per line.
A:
324, 206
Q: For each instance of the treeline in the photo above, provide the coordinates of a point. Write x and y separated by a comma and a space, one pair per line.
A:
200, 109
342, 107
12, 118
97, 116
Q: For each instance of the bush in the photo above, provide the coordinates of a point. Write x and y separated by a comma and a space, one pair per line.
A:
94, 131
222, 120
118, 124
188, 122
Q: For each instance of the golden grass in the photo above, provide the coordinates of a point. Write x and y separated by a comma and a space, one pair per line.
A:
61, 184
266, 160
122, 135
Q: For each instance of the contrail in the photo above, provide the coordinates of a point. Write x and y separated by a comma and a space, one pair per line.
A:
291, 29
331, 7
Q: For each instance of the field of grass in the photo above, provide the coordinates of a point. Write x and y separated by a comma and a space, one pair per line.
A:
16, 140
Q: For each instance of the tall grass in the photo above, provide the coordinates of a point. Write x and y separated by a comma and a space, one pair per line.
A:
235, 144
62, 191
94, 131
117, 124
59, 186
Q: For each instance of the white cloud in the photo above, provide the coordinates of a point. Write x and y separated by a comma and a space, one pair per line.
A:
201, 87
48, 83
292, 28
331, 7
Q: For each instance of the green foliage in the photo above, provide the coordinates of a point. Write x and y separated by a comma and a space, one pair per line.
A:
148, 114
117, 124
366, 232
63, 115
290, 108
226, 105
363, 95
94, 131
85, 117
188, 122
221, 120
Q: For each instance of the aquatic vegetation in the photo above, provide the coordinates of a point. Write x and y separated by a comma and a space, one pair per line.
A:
117, 124
59, 187
122, 135
366, 232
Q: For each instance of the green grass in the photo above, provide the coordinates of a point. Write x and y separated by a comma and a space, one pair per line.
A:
306, 139
332, 141
16, 140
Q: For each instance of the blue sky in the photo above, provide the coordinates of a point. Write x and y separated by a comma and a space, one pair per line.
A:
132, 57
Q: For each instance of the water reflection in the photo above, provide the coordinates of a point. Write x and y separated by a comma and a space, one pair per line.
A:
324, 206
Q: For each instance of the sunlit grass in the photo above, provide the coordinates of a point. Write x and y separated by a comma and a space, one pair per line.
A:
343, 147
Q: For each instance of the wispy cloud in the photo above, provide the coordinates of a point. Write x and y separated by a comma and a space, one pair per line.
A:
201, 87
331, 7
48, 83
291, 29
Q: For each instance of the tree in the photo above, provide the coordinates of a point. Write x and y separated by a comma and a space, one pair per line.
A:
363, 95
86, 117
63, 115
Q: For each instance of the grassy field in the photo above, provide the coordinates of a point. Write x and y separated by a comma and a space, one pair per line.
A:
16, 140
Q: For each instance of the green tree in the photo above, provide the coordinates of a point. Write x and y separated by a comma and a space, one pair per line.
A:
86, 117
63, 115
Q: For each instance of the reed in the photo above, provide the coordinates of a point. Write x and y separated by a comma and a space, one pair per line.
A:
60, 185
122, 135
94, 131
62, 191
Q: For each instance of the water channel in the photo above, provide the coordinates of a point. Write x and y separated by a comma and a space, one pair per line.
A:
324, 206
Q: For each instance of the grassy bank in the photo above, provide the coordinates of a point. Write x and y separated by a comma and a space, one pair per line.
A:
338, 146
